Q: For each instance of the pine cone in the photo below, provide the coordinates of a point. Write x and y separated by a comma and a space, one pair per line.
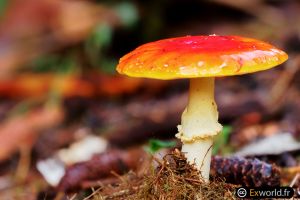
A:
247, 172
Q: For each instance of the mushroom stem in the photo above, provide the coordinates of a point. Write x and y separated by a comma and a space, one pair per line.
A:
199, 124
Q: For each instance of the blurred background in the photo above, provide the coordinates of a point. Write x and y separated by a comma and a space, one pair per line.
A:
59, 87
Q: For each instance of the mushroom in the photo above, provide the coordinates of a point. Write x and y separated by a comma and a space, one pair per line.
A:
201, 59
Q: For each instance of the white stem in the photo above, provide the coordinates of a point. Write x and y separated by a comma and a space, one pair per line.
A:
199, 124
199, 153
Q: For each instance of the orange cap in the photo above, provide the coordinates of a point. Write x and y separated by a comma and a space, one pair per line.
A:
200, 56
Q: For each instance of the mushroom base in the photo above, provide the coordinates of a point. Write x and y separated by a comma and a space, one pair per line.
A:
199, 153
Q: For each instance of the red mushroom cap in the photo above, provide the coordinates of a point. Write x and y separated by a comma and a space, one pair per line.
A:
200, 56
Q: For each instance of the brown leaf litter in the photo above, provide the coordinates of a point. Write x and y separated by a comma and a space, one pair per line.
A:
173, 178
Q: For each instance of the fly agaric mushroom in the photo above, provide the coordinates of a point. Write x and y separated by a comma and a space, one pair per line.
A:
200, 58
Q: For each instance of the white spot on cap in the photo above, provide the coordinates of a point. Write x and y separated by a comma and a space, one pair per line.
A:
276, 50
188, 70
215, 70
200, 64
224, 64
189, 42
